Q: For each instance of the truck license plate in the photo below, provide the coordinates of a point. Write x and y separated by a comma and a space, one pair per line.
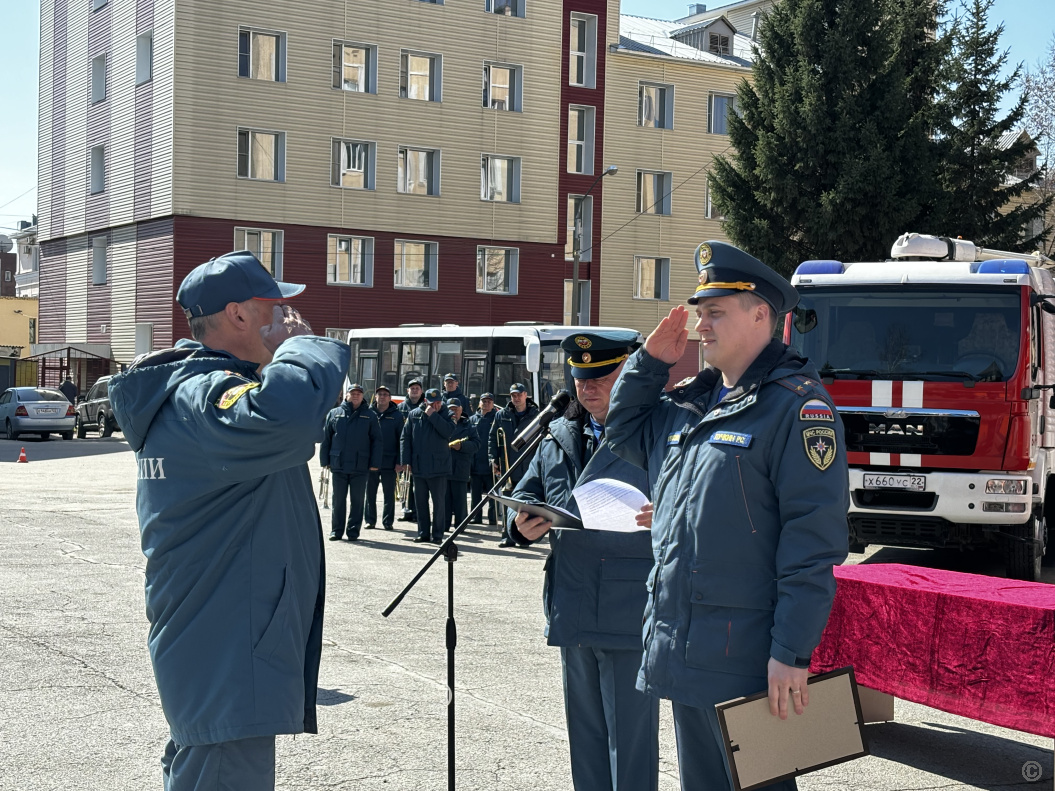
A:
913, 483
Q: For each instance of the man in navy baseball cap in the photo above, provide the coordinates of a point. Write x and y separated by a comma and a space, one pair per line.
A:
232, 303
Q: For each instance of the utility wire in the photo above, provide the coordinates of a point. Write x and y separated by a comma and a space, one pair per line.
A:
20, 196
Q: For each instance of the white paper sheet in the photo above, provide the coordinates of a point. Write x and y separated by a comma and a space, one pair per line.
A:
608, 504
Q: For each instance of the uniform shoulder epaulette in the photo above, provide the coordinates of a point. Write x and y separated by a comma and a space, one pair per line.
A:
800, 385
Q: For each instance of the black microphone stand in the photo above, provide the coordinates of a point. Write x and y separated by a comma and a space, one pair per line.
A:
449, 551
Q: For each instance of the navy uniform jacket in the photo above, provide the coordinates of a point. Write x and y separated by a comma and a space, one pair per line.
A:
594, 592
462, 455
235, 579
462, 399
406, 406
750, 517
482, 423
424, 443
351, 440
391, 422
512, 423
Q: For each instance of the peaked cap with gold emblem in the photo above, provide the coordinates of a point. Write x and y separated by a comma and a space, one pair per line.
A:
725, 270
592, 355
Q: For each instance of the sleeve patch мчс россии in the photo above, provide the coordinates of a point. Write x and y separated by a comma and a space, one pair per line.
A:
820, 446
228, 399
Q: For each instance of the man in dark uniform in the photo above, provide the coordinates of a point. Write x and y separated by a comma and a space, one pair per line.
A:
595, 581
509, 422
464, 443
223, 428
69, 389
452, 389
391, 421
751, 496
350, 449
410, 403
481, 479
425, 453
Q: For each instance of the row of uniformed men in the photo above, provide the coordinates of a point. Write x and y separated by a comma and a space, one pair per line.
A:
432, 438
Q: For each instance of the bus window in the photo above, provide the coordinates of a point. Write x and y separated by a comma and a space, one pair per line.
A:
476, 343
414, 364
367, 344
510, 367
368, 373
474, 376
353, 365
390, 366
446, 358
552, 373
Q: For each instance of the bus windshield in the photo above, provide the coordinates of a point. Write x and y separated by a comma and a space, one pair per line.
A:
909, 332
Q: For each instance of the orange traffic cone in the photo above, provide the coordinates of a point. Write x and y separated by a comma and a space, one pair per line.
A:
22, 457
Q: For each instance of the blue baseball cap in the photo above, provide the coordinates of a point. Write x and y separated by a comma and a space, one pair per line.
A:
432, 395
517, 387
231, 277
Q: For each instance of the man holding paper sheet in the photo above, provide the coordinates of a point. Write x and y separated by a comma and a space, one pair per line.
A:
594, 591
751, 503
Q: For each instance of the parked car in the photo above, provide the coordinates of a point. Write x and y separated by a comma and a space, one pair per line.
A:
94, 411
36, 410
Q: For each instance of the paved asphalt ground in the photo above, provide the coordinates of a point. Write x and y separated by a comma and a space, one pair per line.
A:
79, 710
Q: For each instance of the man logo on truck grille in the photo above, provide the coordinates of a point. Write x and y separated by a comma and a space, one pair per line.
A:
820, 447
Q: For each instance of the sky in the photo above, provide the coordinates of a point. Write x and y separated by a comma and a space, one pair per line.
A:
1027, 34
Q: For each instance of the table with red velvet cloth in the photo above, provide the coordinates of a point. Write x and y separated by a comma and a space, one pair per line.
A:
980, 647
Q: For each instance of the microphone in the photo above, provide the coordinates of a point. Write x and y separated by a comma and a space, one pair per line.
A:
556, 408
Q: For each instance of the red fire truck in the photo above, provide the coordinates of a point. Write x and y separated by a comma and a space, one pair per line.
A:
941, 362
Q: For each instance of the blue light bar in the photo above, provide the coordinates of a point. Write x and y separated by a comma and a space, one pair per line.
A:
820, 268
1003, 266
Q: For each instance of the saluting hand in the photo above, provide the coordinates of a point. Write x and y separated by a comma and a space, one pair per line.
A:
285, 323
667, 341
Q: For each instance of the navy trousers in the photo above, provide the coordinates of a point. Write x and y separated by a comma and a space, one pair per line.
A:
701, 756
479, 485
242, 765
430, 526
613, 730
456, 507
387, 479
345, 486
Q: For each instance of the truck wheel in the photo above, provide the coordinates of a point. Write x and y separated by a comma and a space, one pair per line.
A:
1024, 557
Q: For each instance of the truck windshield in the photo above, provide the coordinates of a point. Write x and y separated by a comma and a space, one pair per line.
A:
906, 332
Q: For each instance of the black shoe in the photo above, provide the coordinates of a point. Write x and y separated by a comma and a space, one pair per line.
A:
388, 527
353, 538
369, 527
507, 542
335, 536
421, 539
492, 522
437, 541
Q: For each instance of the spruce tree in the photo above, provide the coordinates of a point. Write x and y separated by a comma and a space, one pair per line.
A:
983, 200
832, 155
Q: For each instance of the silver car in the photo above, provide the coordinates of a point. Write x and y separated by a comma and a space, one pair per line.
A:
36, 410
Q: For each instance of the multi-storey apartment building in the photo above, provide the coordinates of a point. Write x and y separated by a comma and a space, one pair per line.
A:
410, 162
404, 160
28, 252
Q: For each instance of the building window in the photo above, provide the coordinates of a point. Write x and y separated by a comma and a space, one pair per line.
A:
266, 245
262, 55
32, 330
655, 106
353, 164
585, 227
653, 192
502, 87
97, 4
99, 261
651, 278
582, 42
415, 264
98, 78
500, 178
718, 44
721, 106
144, 337
420, 76
712, 211
496, 270
505, 7
97, 166
580, 139
418, 171
350, 261
354, 67
261, 155
144, 57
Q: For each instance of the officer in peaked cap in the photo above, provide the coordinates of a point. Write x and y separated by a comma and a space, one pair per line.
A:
510, 421
613, 729
749, 462
425, 452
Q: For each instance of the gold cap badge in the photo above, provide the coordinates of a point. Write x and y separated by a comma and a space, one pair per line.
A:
703, 255
583, 342
586, 357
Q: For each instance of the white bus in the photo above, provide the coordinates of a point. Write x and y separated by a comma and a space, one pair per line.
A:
488, 359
